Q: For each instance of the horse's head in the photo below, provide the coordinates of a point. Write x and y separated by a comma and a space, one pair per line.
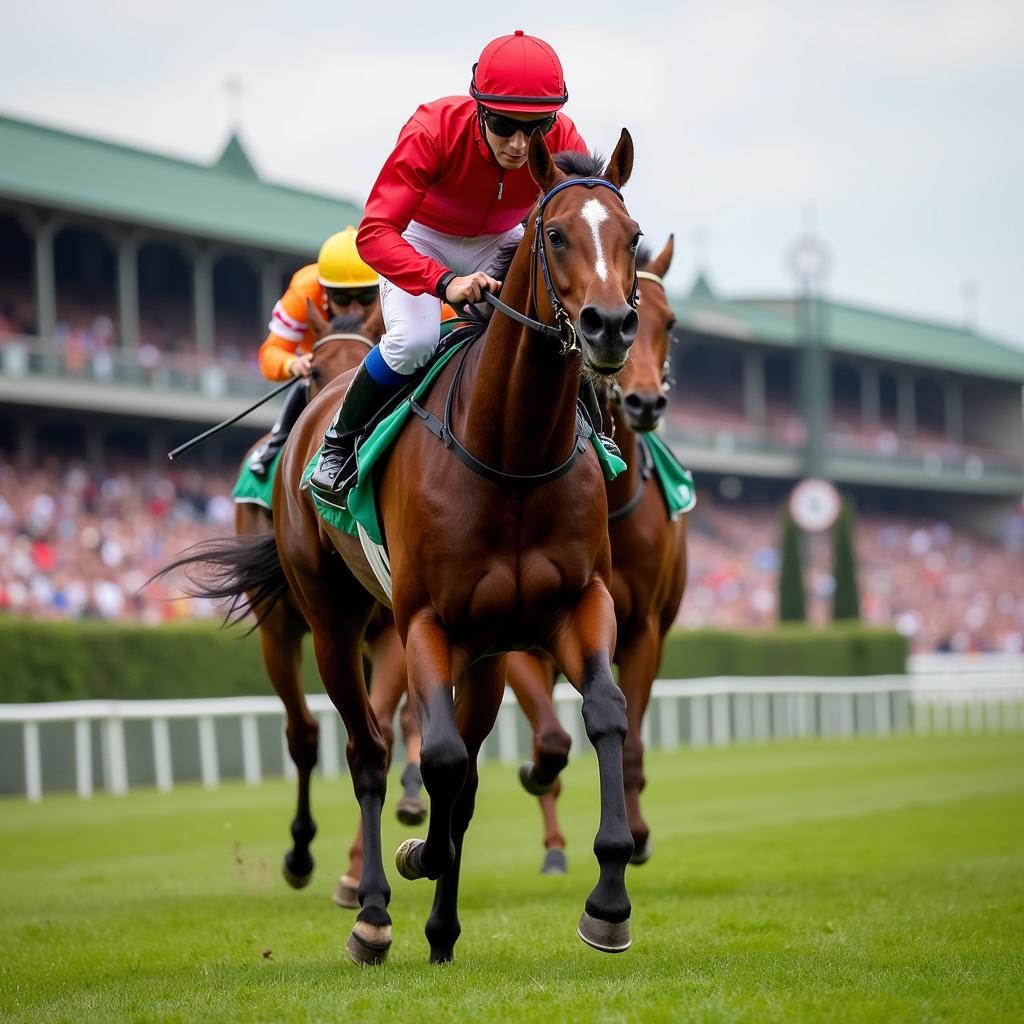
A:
341, 344
587, 241
644, 382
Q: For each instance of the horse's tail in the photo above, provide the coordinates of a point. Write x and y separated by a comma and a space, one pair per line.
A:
245, 571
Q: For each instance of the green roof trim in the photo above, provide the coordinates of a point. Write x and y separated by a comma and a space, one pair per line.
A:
852, 329
225, 201
234, 160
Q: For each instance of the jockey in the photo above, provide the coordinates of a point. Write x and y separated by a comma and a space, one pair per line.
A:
338, 283
451, 195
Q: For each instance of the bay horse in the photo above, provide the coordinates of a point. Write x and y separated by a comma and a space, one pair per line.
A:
339, 346
648, 576
497, 540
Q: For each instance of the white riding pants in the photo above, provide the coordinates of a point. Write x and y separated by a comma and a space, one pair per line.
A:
412, 322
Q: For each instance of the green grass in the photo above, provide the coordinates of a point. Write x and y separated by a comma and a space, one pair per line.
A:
865, 881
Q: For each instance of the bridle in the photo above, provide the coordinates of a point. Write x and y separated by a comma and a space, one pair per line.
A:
615, 390
317, 345
563, 328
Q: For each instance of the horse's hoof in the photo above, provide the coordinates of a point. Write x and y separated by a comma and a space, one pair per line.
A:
403, 862
368, 944
554, 863
643, 854
411, 811
529, 783
347, 893
295, 880
606, 936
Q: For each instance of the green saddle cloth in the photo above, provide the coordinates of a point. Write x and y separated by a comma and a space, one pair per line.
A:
675, 481
256, 490
362, 501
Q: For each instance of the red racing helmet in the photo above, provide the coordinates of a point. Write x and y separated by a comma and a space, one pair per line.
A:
519, 74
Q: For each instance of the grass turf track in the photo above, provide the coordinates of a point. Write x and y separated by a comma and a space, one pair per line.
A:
861, 881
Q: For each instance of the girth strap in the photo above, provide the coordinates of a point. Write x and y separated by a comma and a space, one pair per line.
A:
646, 468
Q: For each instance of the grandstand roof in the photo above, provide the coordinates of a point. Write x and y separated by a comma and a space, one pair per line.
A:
225, 200
854, 329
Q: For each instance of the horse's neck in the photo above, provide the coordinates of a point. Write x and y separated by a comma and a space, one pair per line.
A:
517, 406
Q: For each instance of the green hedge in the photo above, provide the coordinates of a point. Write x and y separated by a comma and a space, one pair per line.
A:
791, 649
42, 661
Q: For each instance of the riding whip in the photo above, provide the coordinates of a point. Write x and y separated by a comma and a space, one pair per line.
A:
200, 438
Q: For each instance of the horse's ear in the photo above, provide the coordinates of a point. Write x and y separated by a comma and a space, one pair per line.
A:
660, 264
315, 319
620, 166
542, 167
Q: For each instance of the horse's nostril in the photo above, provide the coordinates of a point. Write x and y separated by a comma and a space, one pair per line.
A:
659, 404
633, 402
630, 324
591, 321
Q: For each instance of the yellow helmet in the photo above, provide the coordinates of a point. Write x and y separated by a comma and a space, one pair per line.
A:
340, 266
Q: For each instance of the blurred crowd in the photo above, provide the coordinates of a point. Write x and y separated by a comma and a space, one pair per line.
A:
943, 587
78, 541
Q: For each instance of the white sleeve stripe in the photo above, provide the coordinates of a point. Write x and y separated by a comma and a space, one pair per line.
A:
276, 327
289, 321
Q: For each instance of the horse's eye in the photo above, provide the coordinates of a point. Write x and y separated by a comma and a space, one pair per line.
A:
555, 237
315, 374
635, 244
671, 324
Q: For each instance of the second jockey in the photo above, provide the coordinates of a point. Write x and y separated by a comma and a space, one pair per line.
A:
338, 283
449, 198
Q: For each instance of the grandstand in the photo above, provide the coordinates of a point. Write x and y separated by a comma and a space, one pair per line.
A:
134, 293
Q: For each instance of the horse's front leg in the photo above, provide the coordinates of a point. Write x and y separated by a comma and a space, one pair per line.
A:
477, 700
582, 645
443, 756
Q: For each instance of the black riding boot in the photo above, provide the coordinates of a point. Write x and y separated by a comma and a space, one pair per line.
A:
336, 472
263, 456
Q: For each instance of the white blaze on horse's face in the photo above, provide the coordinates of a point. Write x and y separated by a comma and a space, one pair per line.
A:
595, 215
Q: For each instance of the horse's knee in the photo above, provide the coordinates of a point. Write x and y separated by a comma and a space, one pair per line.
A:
303, 743
444, 761
604, 708
553, 743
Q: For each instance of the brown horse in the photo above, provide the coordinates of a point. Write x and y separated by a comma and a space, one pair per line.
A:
648, 578
339, 347
497, 539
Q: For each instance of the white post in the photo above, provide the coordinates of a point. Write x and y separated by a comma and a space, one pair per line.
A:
251, 750
957, 716
1011, 715
330, 760
115, 766
507, 737
668, 723
288, 769
209, 769
569, 718
743, 710
992, 723
162, 764
33, 762
83, 758
721, 726
847, 716
699, 715
762, 713
883, 715
976, 715
645, 729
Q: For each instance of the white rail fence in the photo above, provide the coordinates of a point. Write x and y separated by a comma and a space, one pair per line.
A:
66, 745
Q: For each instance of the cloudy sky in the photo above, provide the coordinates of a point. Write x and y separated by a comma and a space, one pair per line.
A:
896, 126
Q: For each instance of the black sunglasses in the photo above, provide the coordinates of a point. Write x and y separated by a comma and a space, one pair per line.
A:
346, 296
505, 127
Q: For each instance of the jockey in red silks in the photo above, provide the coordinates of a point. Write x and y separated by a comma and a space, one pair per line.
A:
449, 198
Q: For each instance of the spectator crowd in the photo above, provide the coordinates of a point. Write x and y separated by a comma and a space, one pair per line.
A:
80, 541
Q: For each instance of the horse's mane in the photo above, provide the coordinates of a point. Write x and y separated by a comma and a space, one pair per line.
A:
571, 162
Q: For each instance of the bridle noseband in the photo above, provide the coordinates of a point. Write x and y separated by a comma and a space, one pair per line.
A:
563, 328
